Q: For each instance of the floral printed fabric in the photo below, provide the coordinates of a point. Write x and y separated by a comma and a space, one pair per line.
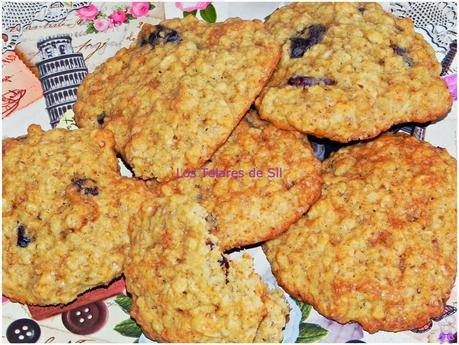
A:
101, 22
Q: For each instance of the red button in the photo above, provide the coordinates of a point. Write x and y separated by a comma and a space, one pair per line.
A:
86, 319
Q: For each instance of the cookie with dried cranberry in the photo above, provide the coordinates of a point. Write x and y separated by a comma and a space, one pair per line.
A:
65, 214
379, 247
175, 96
247, 207
186, 290
350, 71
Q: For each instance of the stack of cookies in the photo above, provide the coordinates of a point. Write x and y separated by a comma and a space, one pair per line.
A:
213, 120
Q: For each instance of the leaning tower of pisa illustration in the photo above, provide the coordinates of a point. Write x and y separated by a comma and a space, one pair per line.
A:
61, 72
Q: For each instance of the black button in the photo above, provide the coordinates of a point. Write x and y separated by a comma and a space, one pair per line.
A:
23, 331
86, 319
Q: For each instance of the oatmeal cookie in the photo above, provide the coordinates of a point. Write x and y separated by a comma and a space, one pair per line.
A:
247, 208
185, 290
350, 71
65, 214
175, 96
379, 247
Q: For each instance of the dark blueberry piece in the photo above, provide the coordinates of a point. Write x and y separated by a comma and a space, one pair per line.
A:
172, 36
362, 9
82, 183
23, 240
154, 37
79, 182
409, 61
224, 262
210, 244
300, 45
306, 81
398, 50
86, 319
23, 331
91, 190
101, 118
316, 32
403, 53
162, 34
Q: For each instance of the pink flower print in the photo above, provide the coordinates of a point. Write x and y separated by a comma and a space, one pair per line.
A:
89, 12
139, 9
192, 6
118, 17
102, 24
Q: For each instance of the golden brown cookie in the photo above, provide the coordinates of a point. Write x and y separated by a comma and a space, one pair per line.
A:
350, 71
175, 96
247, 207
379, 247
65, 214
185, 289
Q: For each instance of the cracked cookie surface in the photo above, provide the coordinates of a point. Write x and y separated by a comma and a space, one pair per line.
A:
247, 209
350, 71
185, 289
379, 247
65, 214
175, 96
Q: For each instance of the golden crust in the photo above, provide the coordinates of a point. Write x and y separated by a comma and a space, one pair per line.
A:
172, 105
384, 72
62, 190
278, 309
379, 247
185, 290
247, 210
